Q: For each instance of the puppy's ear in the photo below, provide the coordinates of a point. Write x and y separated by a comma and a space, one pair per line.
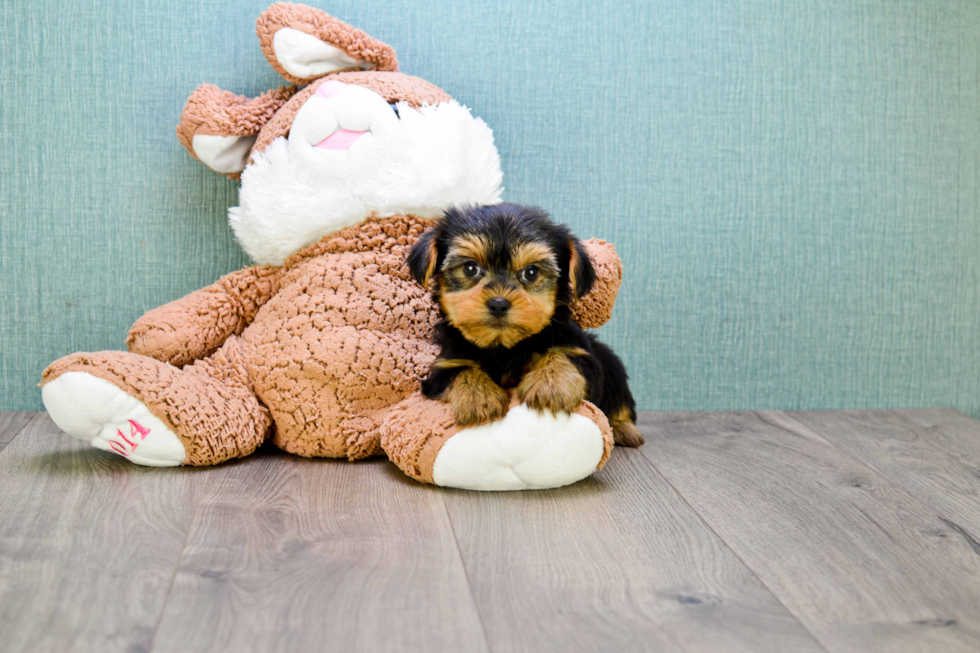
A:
581, 273
423, 258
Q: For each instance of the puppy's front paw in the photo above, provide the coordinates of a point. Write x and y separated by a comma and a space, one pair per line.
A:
555, 385
476, 399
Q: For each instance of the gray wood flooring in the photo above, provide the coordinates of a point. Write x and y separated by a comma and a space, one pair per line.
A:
817, 531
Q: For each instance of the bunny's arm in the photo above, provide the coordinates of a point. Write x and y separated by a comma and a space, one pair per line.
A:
194, 326
595, 308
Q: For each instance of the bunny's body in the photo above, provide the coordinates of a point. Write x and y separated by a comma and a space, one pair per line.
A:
322, 347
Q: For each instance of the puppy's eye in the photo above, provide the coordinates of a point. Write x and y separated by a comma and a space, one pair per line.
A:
394, 107
472, 270
530, 274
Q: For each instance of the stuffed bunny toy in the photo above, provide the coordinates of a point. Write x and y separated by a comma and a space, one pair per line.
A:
321, 345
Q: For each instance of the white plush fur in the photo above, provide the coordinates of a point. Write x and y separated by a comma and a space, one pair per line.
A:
294, 193
95, 411
523, 451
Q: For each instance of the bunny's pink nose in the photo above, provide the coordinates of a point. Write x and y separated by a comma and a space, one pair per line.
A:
339, 140
329, 89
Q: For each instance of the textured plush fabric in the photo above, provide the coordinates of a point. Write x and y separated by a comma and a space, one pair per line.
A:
322, 347
194, 326
793, 187
595, 309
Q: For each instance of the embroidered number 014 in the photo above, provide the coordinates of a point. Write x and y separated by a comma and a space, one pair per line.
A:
137, 433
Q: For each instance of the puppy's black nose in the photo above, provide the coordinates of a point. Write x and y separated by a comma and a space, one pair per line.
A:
498, 306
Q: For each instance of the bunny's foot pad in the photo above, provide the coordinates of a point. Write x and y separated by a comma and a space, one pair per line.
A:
525, 450
96, 411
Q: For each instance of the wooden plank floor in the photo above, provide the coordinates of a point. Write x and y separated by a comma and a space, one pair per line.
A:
819, 531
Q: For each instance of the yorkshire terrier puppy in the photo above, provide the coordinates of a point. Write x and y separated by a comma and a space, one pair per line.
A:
504, 276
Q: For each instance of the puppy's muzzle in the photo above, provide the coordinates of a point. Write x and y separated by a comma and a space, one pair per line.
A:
498, 307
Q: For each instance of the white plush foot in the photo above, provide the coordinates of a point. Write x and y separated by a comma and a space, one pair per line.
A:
524, 450
91, 409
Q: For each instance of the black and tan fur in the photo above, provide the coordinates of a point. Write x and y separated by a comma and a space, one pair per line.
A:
504, 276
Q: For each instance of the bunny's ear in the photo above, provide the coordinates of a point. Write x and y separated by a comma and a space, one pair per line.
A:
303, 44
219, 128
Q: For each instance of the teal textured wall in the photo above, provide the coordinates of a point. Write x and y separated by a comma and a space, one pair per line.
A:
793, 186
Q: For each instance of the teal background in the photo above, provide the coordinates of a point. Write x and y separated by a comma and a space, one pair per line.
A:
792, 186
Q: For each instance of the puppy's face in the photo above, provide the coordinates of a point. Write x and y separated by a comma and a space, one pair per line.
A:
501, 271
498, 293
